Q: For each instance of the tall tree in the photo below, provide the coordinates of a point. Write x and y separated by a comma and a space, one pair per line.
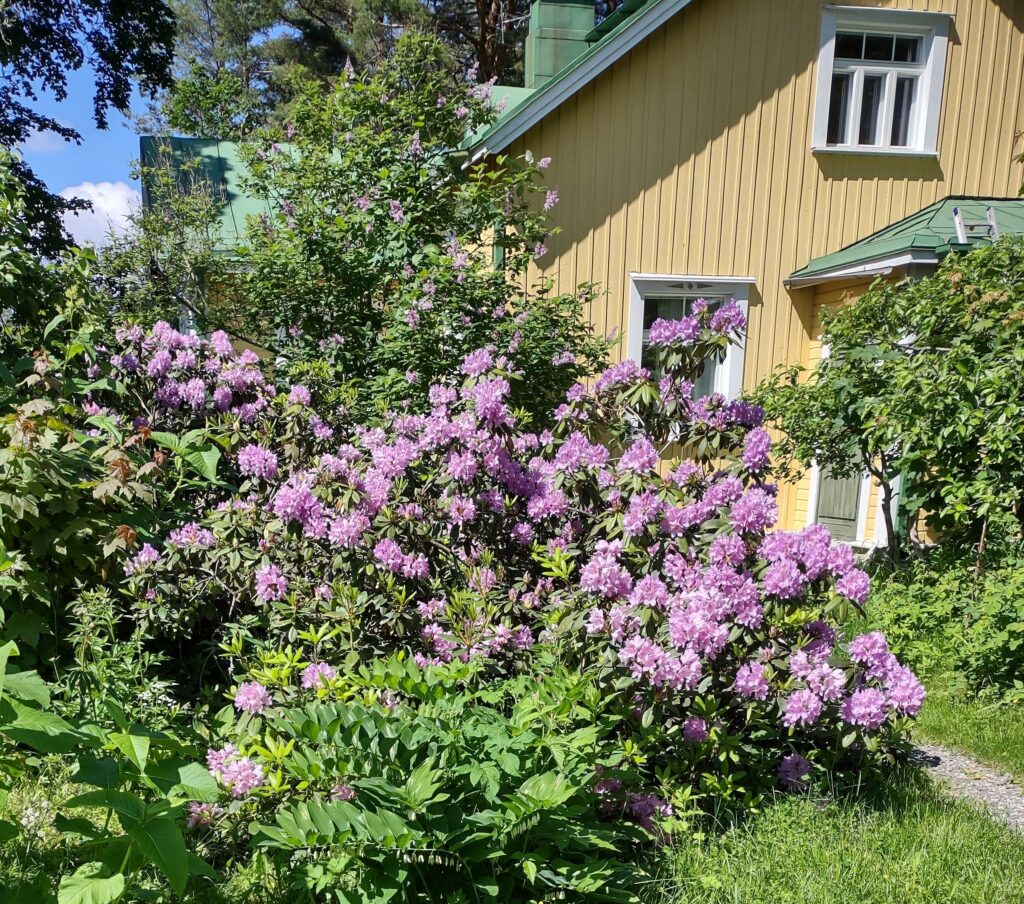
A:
125, 42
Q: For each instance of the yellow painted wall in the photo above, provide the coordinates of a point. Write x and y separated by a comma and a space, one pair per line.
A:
691, 155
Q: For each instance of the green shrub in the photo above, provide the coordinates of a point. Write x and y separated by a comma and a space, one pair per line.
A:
946, 616
415, 781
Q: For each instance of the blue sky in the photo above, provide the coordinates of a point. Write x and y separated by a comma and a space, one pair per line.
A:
98, 169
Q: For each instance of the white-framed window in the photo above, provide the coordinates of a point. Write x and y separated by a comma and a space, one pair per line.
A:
880, 75
654, 296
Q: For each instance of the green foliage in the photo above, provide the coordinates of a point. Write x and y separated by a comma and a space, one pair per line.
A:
922, 382
388, 256
446, 786
169, 262
141, 776
379, 259
958, 618
211, 105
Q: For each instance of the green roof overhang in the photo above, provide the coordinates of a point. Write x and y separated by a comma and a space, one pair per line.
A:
922, 238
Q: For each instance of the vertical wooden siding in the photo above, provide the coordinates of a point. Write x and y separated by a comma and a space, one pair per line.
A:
691, 155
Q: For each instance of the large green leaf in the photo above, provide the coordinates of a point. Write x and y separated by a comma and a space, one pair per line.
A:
8, 650
163, 844
128, 806
91, 884
133, 745
28, 686
205, 460
42, 731
189, 780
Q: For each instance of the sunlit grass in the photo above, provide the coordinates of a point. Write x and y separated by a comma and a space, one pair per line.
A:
906, 843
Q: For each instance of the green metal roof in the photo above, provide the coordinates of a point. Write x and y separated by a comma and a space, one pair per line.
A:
928, 234
216, 161
506, 98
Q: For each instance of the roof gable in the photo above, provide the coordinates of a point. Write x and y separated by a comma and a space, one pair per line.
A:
613, 38
220, 163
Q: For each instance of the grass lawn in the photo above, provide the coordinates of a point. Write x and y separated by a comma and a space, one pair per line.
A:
908, 843
991, 734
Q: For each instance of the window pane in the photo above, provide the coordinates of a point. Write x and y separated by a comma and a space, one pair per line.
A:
675, 308
903, 107
870, 109
839, 108
705, 383
849, 46
907, 50
878, 47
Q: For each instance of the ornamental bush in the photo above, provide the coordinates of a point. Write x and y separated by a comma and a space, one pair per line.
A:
631, 543
958, 617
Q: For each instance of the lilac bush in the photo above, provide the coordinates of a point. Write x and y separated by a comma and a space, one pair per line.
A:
634, 539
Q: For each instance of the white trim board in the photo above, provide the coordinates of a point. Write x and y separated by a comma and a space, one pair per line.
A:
879, 267
552, 95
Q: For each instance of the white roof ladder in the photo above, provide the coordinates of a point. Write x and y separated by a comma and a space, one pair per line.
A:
963, 228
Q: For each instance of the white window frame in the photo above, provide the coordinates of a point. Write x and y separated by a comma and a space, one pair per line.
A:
932, 28
728, 375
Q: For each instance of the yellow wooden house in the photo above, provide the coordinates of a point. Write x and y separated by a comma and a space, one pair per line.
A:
781, 152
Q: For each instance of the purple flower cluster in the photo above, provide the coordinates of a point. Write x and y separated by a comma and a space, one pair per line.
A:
239, 774
188, 377
271, 584
683, 331
255, 461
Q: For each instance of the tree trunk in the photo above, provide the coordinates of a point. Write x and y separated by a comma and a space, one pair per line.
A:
887, 519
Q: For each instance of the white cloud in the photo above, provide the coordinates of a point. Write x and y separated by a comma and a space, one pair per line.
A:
112, 202
42, 143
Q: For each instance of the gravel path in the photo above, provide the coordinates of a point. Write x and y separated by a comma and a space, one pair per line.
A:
973, 781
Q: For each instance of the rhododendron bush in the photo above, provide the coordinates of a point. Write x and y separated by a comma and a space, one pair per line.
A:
634, 539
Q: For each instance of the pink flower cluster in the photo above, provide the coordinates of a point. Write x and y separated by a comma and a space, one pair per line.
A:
239, 774
252, 697
188, 377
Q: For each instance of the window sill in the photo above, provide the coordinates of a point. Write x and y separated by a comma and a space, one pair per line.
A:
876, 152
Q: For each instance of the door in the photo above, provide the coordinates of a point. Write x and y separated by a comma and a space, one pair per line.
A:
838, 503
